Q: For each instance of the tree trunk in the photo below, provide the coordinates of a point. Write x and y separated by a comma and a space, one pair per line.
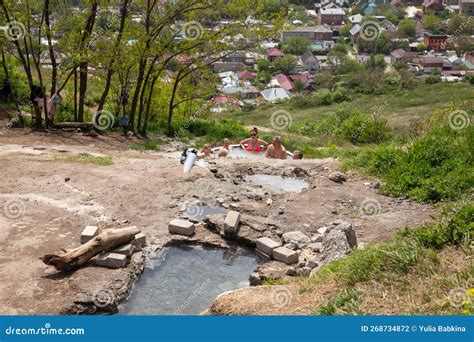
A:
83, 65
110, 70
8, 81
54, 66
108, 239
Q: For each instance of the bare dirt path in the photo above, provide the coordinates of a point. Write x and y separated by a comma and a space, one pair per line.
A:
54, 198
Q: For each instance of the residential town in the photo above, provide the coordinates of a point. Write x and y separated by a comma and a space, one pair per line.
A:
432, 39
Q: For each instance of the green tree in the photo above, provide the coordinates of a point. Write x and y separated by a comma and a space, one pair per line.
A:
407, 28
284, 64
430, 22
297, 45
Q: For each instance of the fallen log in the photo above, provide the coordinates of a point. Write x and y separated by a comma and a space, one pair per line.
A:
81, 125
108, 239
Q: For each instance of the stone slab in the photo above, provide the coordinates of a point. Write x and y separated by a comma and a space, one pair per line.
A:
285, 255
111, 260
89, 233
181, 227
267, 245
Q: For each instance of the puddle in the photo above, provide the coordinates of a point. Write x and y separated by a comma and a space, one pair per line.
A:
278, 183
185, 280
199, 212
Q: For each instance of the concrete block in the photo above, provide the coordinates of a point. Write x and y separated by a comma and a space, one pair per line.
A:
262, 255
111, 260
89, 233
125, 250
285, 255
140, 240
232, 221
181, 227
267, 245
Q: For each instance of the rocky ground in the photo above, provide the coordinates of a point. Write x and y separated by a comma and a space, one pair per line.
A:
56, 196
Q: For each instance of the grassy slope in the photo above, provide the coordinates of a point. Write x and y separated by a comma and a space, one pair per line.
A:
400, 105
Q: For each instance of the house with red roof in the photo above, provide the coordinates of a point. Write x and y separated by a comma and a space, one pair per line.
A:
246, 75
283, 81
223, 103
274, 53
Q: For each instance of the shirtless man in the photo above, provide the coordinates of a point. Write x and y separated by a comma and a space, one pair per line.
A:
276, 150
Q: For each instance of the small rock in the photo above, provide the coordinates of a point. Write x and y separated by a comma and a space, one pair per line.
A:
377, 185
291, 246
312, 263
337, 177
367, 183
234, 205
323, 231
316, 247
214, 170
298, 238
291, 272
67, 179
254, 279
269, 201
317, 238
304, 271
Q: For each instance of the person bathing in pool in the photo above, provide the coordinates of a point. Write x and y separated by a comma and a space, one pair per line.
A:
225, 149
276, 150
253, 143
206, 151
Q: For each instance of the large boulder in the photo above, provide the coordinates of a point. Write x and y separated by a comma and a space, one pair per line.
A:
335, 246
351, 237
297, 238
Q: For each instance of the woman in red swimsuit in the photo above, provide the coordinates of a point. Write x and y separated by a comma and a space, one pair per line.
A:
253, 144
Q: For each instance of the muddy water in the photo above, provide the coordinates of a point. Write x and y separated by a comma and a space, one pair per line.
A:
278, 183
185, 280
